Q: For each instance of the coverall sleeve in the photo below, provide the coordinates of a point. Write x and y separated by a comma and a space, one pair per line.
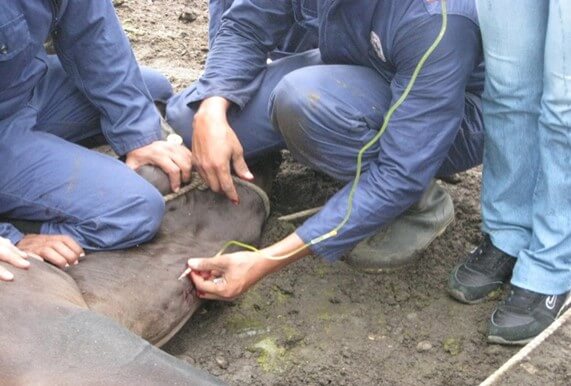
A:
96, 54
250, 30
417, 139
8, 231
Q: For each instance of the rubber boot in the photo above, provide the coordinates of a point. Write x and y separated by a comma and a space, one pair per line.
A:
402, 242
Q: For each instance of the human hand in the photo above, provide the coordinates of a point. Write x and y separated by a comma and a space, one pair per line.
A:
13, 256
174, 159
226, 277
216, 148
60, 250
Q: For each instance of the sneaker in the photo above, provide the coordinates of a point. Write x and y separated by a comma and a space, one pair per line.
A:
524, 315
403, 241
484, 271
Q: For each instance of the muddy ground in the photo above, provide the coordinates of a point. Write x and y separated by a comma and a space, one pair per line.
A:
317, 323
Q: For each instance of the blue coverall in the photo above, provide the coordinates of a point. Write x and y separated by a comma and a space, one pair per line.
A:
325, 104
299, 38
46, 107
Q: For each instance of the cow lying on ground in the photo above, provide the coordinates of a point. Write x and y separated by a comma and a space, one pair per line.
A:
97, 322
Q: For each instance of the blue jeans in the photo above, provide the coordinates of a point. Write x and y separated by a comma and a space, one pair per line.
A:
327, 138
527, 158
46, 177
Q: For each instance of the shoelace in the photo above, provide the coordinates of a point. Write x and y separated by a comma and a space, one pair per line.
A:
480, 257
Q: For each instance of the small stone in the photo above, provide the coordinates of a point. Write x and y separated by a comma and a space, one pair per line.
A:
187, 16
531, 369
293, 339
424, 346
186, 358
412, 316
493, 350
221, 362
118, 3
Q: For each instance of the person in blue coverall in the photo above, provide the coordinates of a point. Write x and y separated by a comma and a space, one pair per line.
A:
79, 198
324, 105
300, 37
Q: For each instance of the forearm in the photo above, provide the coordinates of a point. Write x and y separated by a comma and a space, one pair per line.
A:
281, 254
96, 54
249, 31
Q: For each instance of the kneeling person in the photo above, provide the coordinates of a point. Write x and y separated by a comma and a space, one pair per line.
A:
79, 199
325, 105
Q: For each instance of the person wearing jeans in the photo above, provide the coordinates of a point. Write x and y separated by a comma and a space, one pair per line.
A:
527, 168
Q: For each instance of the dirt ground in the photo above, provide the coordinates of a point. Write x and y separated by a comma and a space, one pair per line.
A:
317, 323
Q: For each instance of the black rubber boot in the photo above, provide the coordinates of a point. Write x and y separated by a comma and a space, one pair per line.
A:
524, 315
485, 270
401, 242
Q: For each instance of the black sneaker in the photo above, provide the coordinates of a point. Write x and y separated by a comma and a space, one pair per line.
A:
525, 314
485, 270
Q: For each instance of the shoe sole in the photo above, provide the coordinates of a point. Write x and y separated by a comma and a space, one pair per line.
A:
459, 295
499, 340
416, 255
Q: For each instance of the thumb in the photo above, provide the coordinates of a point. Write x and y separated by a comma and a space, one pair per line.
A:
132, 162
240, 167
208, 264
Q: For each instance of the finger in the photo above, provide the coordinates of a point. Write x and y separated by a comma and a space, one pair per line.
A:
184, 162
240, 166
6, 275
211, 179
207, 286
227, 185
15, 260
183, 165
215, 273
67, 253
51, 255
73, 245
15, 250
206, 275
173, 171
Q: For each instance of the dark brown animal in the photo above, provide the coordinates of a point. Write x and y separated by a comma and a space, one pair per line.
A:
92, 324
